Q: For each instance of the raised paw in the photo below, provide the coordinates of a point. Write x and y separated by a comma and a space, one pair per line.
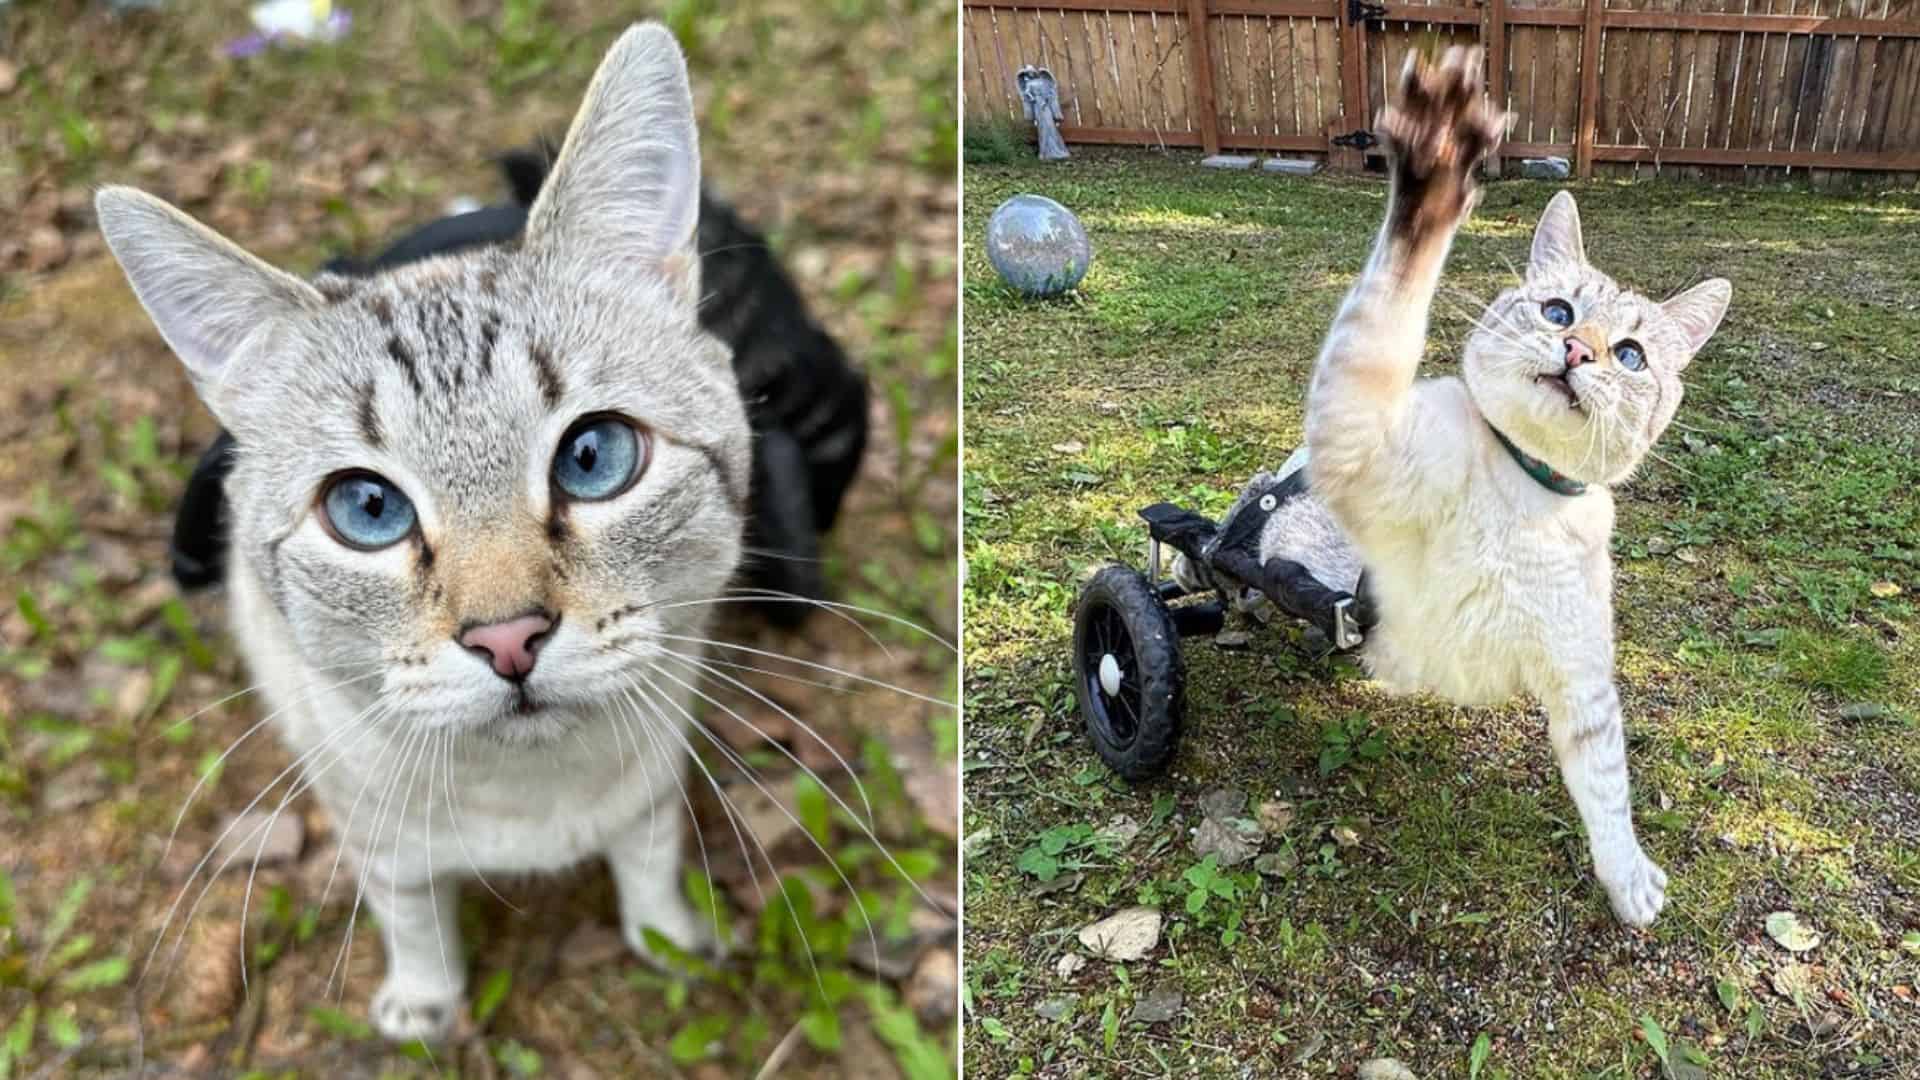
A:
1636, 888
1438, 132
404, 1013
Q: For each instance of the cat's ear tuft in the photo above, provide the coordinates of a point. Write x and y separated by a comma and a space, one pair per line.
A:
626, 188
1698, 311
204, 293
1556, 240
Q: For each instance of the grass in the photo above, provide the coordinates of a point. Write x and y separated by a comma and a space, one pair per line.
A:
112, 686
1429, 897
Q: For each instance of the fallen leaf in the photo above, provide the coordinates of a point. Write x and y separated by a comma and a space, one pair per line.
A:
1071, 446
1345, 836
1791, 933
1885, 590
1232, 842
1793, 982
1384, 1069
1275, 817
1223, 803
1069, 966
1161, 1004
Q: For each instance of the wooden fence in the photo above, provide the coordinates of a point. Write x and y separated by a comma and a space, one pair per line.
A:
1833, 85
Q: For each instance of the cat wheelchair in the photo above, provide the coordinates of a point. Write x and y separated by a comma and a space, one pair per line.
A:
1128, 673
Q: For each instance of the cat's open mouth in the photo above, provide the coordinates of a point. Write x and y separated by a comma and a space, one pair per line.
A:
1560, 383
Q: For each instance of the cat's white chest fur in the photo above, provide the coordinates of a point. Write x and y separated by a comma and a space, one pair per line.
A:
1488, 597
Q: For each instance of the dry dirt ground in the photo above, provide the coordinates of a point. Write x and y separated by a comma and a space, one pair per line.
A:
830, 126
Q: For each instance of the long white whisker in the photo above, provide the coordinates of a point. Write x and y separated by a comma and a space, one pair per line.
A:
801, 724
235, 744
174, 908
453, 818
828, 668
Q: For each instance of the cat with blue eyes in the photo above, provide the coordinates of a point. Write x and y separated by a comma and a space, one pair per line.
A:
1479, 507
481, 508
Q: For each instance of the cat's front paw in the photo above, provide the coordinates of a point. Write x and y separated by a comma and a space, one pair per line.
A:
679, 924
404, 1013
1438, 132
1636, 888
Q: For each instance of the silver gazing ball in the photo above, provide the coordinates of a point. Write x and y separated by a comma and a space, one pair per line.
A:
1037, 246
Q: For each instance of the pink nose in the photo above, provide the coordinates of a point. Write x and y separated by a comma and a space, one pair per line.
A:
510, 645
1578, 352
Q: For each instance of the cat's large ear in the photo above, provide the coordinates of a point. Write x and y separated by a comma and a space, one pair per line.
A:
1697, 312
1556, 240
204, 293
626, 188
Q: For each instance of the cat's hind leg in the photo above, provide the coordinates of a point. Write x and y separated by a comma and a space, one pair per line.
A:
1589, 742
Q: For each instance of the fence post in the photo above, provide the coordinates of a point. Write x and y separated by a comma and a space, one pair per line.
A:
1353, 85
1493, 32
1589, 89
1200, 49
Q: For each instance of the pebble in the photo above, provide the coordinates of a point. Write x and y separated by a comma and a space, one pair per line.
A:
1127, 934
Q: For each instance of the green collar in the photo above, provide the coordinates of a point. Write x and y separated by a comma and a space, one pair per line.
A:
1547, 476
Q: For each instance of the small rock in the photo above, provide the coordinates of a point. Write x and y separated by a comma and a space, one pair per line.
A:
1384, 1069
976, 842
1228, 161
1227, 841
591, 945
1127, 934
1885, 590
46, 248
934, 988
1291, 166
1546, 168
1863, 710
80, 784
1311, 1046
285, 834
1659, 545
1277, 863
1121, 831
1162, 1003
131, 700
1057, 1008
1223, 803
1791, 933
1232, 639
1071, 446
1275, 817
1069, 966
9, 77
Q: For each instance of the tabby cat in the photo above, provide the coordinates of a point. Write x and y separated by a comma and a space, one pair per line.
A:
1480, 507
481, 507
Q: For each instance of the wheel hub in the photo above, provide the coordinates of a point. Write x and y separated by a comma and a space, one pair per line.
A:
1109, 674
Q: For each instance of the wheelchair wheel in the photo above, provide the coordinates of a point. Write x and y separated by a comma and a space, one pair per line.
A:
1127, 672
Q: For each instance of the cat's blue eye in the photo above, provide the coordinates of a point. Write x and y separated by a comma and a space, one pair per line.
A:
365, 511
1630, 354
1558, 312
599, 457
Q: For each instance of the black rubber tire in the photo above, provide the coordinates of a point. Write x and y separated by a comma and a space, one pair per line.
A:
1136, 730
